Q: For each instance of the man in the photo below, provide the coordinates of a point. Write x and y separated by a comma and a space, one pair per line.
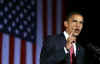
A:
63, 48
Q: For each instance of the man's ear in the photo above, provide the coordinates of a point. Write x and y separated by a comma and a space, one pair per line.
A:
65, 24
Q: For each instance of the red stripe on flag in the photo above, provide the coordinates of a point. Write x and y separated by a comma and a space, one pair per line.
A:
44, 18
63, 14
11, 49
23, 52
0, 47
34, 53
54, 17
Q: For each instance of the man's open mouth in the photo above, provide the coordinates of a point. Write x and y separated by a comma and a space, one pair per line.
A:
77, 30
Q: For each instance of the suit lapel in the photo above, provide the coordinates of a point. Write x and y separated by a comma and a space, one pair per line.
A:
62, 40
77, 50
78, 54
67, 57
60, 43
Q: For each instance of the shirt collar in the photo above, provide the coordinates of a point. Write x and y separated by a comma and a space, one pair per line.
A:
66, 35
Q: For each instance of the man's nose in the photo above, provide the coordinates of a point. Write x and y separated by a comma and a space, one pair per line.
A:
78, 24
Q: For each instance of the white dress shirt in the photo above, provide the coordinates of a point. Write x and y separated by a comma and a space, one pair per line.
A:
66, 36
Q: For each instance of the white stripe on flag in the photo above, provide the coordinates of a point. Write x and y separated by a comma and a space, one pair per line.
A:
59, 16
17, 51
39, 31
5, 49
29, 54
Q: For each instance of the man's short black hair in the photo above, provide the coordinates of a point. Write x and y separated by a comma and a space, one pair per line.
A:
70, 15
81, 12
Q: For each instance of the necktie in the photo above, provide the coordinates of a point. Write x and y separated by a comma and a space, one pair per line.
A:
71, 54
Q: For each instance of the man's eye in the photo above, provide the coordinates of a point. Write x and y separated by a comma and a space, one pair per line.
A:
74, 20
81, 22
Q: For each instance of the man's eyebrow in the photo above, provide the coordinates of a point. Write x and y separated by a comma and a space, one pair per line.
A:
76, 20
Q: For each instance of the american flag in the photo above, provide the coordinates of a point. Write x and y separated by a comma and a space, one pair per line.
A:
23, 26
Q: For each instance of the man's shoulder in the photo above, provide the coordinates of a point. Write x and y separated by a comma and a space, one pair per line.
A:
55, 37
51, 40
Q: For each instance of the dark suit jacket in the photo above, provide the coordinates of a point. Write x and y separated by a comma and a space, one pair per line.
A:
53, 51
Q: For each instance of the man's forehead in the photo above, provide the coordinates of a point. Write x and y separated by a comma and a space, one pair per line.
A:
77, 17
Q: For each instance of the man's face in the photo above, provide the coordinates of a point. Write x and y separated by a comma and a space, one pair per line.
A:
74, 24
